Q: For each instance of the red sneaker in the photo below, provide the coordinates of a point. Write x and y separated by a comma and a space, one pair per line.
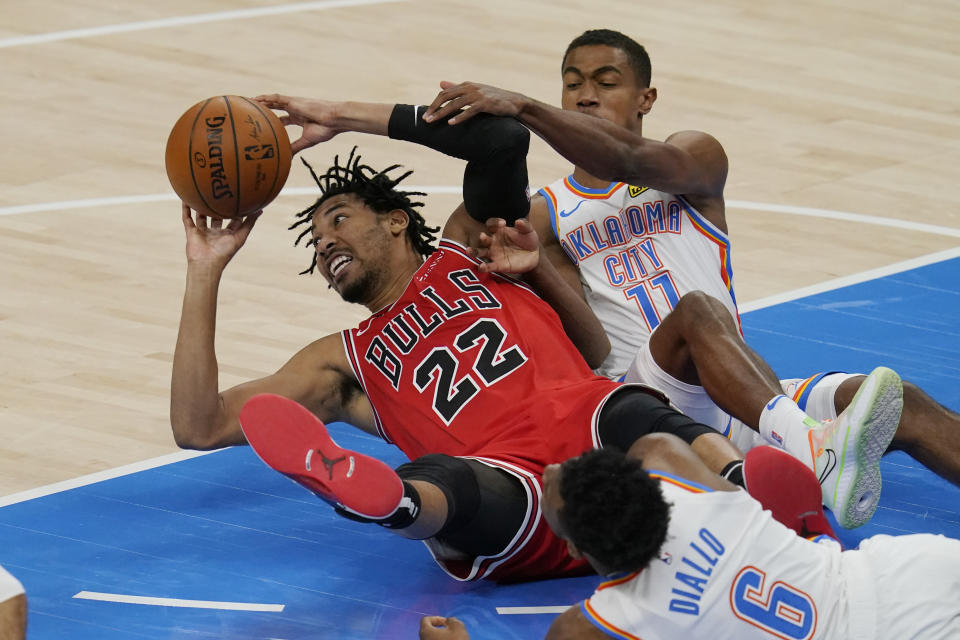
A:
788, 489
294, 442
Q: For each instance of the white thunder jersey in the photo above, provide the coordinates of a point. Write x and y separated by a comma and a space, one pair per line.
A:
727, 570
639, 250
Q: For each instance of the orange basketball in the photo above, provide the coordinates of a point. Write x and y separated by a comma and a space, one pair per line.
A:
228, 156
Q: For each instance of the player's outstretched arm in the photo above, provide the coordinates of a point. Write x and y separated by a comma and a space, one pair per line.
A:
321, 120
495, 179
317, 377
194, 401
691, 162
203, 418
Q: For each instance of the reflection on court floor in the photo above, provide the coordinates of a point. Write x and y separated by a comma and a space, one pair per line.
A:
222, 547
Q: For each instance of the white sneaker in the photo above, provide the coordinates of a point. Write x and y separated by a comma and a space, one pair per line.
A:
847, 451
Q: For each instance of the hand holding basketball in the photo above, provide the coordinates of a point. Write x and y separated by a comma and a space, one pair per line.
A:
214, 241
315, 117
228, 157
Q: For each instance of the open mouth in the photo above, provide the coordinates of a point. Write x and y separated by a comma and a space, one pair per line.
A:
338, 264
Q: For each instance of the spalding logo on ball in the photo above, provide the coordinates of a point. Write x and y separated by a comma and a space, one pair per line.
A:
228, 157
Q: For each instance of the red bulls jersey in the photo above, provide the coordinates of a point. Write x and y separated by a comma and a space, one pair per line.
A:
474, 364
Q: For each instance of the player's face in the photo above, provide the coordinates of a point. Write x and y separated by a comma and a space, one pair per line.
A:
352, 244
598, 80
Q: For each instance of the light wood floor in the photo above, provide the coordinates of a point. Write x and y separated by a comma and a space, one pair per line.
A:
847, 106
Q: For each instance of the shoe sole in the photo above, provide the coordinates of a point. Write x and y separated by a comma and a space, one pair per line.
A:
857, 490
787, 488
291, 440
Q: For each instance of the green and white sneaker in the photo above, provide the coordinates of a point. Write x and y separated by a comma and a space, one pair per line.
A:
847, 451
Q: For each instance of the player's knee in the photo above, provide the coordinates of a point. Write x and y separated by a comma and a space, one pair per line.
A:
454, 478
845, 392
694, 303
486, 505
696, 308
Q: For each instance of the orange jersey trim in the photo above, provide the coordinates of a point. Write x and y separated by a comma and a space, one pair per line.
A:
620, 580
592, 194
692, 487
596, 619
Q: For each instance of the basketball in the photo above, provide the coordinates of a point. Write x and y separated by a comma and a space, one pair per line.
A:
228, 156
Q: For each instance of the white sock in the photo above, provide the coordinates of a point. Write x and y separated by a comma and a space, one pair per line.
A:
785, 425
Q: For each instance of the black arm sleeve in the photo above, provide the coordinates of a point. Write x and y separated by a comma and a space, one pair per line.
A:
495, 182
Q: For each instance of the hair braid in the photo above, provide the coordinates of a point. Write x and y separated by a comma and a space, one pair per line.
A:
377, 190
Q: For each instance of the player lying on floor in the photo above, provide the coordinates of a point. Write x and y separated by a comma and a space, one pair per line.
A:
468, 373
688, 555
642, 223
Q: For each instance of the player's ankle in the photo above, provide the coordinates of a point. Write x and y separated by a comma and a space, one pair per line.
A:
404, 515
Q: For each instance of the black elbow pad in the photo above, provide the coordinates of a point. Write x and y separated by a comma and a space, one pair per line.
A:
495, 181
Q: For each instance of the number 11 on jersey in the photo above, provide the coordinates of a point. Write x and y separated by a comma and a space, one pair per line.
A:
659, 285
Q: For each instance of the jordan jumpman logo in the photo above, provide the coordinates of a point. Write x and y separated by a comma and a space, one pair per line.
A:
329, 463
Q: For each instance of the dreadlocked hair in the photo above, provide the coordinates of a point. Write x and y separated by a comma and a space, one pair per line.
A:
377, 190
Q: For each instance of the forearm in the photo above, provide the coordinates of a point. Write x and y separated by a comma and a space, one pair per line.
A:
362, 117
602, 148
579, 322
194, 392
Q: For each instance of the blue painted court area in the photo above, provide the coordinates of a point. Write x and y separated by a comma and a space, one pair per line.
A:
225, 528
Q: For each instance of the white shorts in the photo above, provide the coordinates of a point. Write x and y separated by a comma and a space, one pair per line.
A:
904, 587
10, 587
814, 395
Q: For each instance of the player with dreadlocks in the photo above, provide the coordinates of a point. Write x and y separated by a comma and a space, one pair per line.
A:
377, 190
469, 373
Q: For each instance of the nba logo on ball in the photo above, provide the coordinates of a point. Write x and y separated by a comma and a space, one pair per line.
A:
228, 157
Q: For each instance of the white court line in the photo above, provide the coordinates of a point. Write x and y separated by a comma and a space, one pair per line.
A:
744, 307
880, 221
177, 21
511, 611
177, 602
117, 201
299, 191
754, 305
846, 281
99, 476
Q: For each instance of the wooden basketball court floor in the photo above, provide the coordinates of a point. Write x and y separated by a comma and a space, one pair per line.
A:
841, 125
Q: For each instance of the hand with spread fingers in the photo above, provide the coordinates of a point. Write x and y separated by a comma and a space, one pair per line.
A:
215, 240
508, 249
315, 117
472, 98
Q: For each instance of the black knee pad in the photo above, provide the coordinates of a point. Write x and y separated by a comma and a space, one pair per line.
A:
632, 413
485, 506
454, 477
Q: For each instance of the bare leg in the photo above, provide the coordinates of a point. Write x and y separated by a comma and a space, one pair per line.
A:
698, 343
928, 431
432, 514
715, 451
